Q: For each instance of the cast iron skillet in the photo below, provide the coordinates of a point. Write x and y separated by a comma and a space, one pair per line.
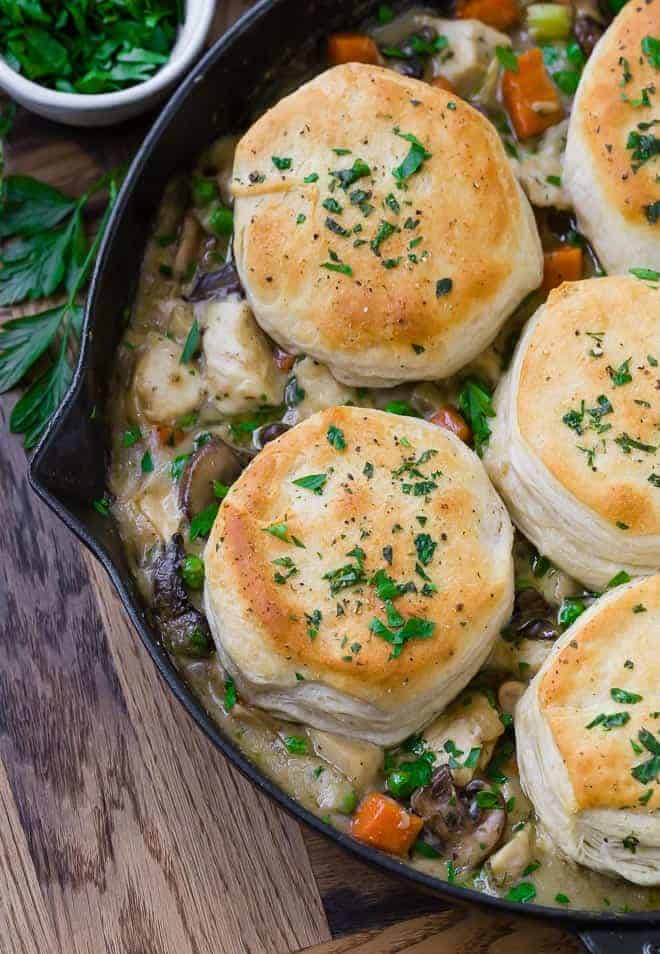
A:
236, 77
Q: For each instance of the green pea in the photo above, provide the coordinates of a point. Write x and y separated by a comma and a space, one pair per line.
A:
204, 190
221, 221
192, 571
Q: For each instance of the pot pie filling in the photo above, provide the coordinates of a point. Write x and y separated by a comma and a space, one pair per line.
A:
255, 518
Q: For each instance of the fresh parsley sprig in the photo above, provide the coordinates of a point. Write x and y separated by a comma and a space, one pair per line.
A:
45, 251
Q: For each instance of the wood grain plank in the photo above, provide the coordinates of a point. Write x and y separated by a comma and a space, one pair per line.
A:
460, 931
263, 866
25, 926
359, 897
141, 837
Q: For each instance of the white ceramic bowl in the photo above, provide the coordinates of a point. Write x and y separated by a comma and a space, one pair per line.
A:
105, 109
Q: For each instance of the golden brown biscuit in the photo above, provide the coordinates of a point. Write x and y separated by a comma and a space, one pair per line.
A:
379, 227
575, 442
358, 588
588, 734
613, 187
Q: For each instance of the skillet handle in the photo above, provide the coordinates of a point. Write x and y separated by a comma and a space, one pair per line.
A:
630, 941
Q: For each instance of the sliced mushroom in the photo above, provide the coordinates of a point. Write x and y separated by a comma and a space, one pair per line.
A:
468, 832
533, 617
587, 32
188, 247
219, 284
184, 629
267, 433
213, 461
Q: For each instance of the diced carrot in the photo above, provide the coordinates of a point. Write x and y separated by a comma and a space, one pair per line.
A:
443, 83
169, 436
383, 823
530, 96
452, 420
562, 265
352, 48
500, 14
283, 360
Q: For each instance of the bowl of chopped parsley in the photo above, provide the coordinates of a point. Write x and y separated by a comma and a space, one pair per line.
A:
95, 64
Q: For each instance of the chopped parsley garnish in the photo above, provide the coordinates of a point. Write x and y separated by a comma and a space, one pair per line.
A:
562, 898
336, 438
398, 633
619, 578
347, 177
295, 744
191, 347
620, 375
281, 163
385, 229
400, 407
230, 694
337, 267
628, 443
201, 523
147, 463
507, 58
312, 177
651, 50
102, 505
351, 574
300, 218
624, 697
523, 893
443, 286
313, 623
608, 722
131, 436
644, 146
281, 531
425, 547
332, 206
413, 161
177, 466
333, 226
655, 480
646, 274
314, 482
288, 564
474, 402
368, 470
571, 608
648, 771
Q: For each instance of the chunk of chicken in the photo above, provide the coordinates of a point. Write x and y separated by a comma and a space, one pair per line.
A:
471, 51
165, 389
239, 368
508, 864
358, 761
539, 170
470, 723
320, 388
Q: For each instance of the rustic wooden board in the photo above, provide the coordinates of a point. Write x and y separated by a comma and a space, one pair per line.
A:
122, 830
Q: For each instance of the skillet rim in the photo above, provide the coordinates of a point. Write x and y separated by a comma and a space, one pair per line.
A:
578, 921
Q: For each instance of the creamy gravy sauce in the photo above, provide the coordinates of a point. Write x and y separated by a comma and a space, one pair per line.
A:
147, 458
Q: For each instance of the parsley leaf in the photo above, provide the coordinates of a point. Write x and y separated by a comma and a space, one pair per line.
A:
314, 482
336, 438
475, 404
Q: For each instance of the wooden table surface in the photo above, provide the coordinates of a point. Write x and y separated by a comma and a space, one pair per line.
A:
122, 829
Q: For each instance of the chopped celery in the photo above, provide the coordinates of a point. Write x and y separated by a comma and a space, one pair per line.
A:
548, 21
